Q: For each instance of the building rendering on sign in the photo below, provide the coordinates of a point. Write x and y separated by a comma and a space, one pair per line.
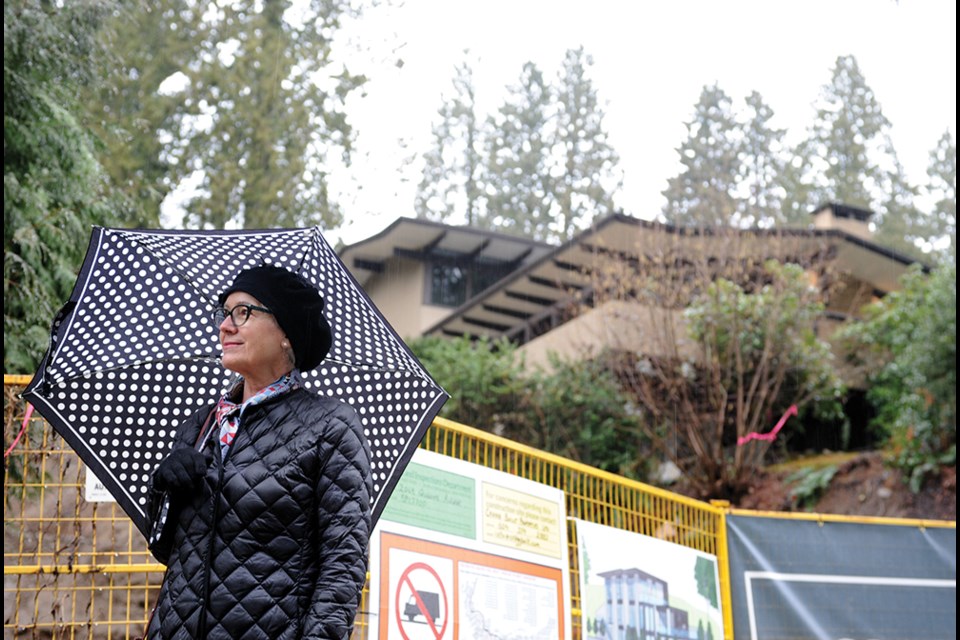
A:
638, 606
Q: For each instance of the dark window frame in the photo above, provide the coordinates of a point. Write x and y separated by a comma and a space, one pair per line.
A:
450, 283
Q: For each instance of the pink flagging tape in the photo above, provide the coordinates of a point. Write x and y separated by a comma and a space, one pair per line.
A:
770, 437
23, 427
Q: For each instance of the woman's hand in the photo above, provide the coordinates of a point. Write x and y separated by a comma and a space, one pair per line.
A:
180, 471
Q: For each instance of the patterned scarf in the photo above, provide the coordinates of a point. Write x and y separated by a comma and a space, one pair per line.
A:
230, 413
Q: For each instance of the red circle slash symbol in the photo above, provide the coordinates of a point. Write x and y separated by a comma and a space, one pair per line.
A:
423, 602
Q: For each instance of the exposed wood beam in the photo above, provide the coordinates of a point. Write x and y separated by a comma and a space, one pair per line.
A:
543, 302
493, 326
553, 284
376, 266
512, 313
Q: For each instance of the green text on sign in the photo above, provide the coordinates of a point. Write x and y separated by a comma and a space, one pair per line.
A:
433, 499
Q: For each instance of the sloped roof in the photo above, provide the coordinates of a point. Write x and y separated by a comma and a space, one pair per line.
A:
426, 240
845, 211
531, 301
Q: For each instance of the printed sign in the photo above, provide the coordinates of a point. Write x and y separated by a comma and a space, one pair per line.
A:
94, 491
636, 586
462, 552
422, 607
515, 519
434, 499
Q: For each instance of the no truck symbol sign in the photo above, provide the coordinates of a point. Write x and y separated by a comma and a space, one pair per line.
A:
421, 603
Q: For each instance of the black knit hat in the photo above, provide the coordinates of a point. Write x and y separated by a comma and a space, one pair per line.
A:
297, 306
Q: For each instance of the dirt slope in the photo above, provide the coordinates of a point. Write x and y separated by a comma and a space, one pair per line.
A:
863, 486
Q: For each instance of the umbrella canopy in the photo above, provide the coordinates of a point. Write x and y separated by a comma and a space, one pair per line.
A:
134, 352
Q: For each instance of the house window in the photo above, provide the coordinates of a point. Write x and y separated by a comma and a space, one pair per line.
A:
453, 284
448, 285
486, 275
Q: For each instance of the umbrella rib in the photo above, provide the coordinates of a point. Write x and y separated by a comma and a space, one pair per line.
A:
370, 367
84, 374
187, 278
172, 266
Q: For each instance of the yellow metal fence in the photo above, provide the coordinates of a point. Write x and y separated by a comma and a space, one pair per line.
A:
79, 569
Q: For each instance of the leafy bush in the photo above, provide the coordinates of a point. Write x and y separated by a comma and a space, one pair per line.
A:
575, 409
579, 411
907, 347
762, 354
483, 378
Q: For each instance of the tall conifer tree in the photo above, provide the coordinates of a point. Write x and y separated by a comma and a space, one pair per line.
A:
520, 195
761, 167
798, 192
848, 137
902, 226
54, 187
589, 173
942, 189
451, 184
149, 43
854, 161
703, 193
260, 113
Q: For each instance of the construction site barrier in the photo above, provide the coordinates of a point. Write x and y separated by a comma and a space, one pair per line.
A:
80, 569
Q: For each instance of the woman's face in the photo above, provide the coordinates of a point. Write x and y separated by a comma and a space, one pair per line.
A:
255, 349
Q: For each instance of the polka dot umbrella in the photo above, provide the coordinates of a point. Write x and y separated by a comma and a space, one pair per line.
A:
134, 352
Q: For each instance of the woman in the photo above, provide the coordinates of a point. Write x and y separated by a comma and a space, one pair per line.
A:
269, 506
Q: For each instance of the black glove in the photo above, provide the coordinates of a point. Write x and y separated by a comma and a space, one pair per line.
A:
180, 471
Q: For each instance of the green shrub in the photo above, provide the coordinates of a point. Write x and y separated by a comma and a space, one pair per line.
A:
575, 409
907, 346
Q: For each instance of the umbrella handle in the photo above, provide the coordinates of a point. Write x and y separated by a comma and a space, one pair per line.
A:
23, 428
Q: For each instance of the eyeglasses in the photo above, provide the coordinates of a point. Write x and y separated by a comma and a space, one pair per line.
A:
238, 315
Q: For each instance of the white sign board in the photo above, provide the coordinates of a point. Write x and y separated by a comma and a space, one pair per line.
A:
463, 552
636, 586
94, 491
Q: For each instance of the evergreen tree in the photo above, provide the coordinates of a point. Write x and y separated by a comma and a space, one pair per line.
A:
856, 163
549, 169
798, 192
848, 137
942, 187
702, 194
436, 194
761, 167
53, 186
451, 182
519, 187
148, 44
588, 177
902, 227
260, 114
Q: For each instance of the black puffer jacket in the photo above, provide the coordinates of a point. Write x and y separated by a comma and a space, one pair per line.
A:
274, 544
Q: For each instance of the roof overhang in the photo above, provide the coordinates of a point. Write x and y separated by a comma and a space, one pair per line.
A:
433, 241
538, 297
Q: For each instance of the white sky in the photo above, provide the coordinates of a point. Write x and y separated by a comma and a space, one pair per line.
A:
652, 60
